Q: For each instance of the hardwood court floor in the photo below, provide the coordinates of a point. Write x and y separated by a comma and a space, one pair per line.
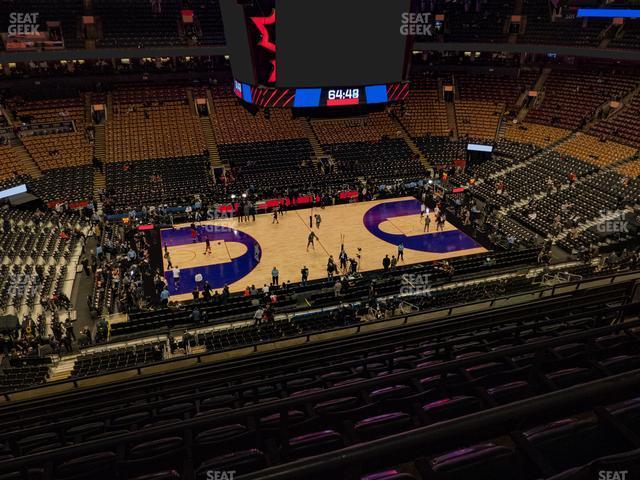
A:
283, 244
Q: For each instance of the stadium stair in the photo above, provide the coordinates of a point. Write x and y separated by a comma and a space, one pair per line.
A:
538, 88
313, 140
99, 180
535, 156
62, 369
212, 146
451, 120
409, 141
26, 160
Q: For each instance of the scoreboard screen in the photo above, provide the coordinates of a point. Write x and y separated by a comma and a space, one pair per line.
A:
321, 97
333, 43
318, 54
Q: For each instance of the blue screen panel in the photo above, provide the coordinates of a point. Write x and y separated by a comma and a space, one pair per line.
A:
608, 13
307, 97
474, 147
13, 191
246, 93
376, 94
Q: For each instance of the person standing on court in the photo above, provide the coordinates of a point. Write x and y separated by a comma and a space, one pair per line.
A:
305, 274
427, 222
275, 216
167, 257
207, 245
401, 251
318, 220
343, 257
310, 240
176, 277
275, 276
386, 262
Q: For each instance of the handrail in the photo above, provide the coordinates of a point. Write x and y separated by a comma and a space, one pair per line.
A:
284, 405
197, 359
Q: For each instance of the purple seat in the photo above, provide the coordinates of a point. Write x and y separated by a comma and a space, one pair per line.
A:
568, 377
37, 442
85, 429
388, 475
243, 462
509, 392
130, 421
156, 447
628, 412
226, 433
336, 405
96, 466
486, 369
621, 363
478, 461
177, 410
217, 402
315, 443
275, 419
570, 442
452, 407
308, 391
164, 475
393, 391
569, 349
382, 425
336, 376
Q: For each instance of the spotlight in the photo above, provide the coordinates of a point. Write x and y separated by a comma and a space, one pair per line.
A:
430, 182
244, 195
233, 196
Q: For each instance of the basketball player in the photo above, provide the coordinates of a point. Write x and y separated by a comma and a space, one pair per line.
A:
310, 240
275, 217
194, 233
427, 221
401, 252
343, 257
207, 247
318, 220
167, 257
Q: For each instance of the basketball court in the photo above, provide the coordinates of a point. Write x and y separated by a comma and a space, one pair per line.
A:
244, 253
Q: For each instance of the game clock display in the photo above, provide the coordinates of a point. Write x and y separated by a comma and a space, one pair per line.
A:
332, 97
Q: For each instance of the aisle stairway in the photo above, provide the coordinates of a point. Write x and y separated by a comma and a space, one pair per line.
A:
62, 369
27, 161
212, 146
100, 152
404, 133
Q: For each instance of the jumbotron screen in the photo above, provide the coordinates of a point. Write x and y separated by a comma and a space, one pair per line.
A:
337, 43
334, 52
